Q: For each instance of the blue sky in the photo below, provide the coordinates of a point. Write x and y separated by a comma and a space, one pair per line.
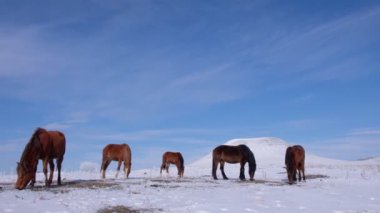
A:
189, 75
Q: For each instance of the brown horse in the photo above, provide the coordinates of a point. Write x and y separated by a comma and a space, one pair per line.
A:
295, 160
119, 153
173, 158
233, 154
45, 145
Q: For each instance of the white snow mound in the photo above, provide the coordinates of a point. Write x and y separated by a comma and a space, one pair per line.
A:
270, 153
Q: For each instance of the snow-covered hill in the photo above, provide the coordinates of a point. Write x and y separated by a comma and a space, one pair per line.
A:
331, 186
267, 151
270, 153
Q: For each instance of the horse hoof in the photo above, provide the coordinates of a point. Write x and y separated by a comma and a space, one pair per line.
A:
48, 183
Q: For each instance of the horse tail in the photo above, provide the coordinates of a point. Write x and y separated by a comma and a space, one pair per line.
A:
104, 157
252, 160
215, 160
181, 161
287, 156
164, 161
213, 166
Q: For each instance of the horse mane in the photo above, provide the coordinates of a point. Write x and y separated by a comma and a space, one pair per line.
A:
247, 151
251, 158
289, 160
29, 145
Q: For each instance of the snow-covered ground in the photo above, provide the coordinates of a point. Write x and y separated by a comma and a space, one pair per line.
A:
331, 186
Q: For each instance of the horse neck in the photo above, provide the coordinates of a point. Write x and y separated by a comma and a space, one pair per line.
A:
30, 154
33, 147
249, 156
292, 161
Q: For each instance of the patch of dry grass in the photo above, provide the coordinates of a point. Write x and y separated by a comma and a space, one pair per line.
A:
126, 209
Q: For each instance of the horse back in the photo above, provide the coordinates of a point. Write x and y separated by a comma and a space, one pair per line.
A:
172, 157
230, 154
299, 154
58, 141
45, 142
295, 156
117, 152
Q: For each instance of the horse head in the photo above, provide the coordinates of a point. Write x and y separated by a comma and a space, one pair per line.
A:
252, 167
24, 175
291, 173
251, 164
29, 160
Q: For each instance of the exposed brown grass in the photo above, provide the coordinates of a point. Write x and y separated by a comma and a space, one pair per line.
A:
125, 209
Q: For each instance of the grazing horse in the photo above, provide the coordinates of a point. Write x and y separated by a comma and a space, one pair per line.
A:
295, 160
173, 158
45, 145
233, 154
119, 153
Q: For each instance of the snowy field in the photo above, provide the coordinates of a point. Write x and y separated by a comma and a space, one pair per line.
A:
331, 186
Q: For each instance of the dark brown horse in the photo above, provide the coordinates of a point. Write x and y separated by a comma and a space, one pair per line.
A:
45, 145
233, 154
173, 158
295, 160
119, 153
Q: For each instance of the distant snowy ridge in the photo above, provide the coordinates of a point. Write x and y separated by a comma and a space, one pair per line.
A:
270, 152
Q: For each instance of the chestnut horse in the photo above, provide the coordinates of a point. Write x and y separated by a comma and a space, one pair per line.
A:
45, 145
233, 154
173, 158
119, 153
295, 160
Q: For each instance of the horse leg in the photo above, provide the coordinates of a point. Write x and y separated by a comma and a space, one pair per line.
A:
34, 176
51, 164
222, 170
129, 165
167, 167
45, 162
179, 169
162, 167
118, 168
294, 175
104, 167
214, 168
303, 172
299, 174
242, 175
126, 172
59, 166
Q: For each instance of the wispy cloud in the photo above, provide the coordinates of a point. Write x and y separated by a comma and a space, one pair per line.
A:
347, 148
156, 134
364, 132
320, 51
20, 54
12, 145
